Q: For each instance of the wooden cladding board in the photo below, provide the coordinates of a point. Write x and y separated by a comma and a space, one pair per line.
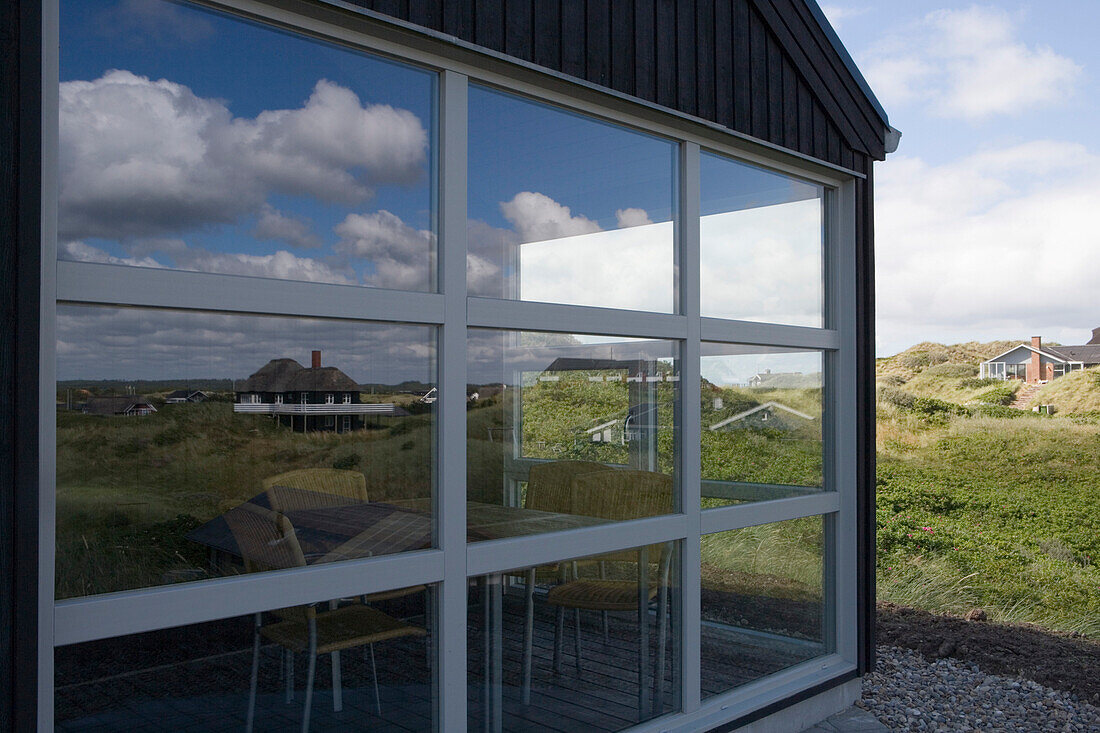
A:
760, 67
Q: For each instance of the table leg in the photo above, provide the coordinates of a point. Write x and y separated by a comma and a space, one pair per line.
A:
493, 689
643, 634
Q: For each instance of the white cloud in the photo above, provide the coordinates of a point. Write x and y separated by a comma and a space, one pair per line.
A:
969, 64
632, 217
134, 343
623, 268
143, 158
401, 254
537, 217
1000, 244
274, 225
838, 13
282, 265
81, 252
763, 264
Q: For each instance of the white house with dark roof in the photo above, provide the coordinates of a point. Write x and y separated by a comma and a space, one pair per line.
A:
1035, 363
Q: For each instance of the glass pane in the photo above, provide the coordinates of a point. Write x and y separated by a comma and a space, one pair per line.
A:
763, 604
761, 238
199, 677
761, 423
172, 427
566, 209
558, 422
194, 140
559, 647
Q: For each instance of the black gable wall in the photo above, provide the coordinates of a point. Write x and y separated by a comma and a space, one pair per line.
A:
761, 67
765, 68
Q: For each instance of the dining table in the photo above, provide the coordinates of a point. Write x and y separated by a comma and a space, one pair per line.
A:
336, 528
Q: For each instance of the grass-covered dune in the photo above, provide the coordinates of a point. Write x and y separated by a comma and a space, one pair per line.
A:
980, 504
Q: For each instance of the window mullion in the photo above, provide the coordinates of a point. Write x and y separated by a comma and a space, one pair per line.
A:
450, 494
690, 427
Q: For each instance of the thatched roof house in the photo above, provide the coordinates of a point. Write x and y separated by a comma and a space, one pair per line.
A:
273, 376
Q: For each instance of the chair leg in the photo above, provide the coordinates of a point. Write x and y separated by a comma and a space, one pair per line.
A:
577, 639
255, 676
528, 635
374, 676
310, 674
337, 684
288, 662
604, 614
662, 625
559, 632
428, 614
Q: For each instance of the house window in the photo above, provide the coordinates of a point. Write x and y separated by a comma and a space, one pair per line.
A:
330, 169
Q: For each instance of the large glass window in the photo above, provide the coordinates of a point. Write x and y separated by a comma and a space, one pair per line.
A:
761, 418
184, 145
580, 644
566, 209
279, 440
555, 421
169, 434
763, 601
372, 671
761, 245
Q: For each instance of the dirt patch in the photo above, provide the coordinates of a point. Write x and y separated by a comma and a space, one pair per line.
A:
1062, 661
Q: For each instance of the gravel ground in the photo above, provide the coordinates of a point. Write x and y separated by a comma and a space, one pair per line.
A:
908, 693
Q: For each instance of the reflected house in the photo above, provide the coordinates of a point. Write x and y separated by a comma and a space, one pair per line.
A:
309, 400
772, 415
125, 405
182, 396
768, 379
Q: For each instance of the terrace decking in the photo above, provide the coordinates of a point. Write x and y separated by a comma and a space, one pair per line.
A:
197, 678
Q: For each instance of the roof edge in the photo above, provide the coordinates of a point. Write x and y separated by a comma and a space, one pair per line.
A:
849, 63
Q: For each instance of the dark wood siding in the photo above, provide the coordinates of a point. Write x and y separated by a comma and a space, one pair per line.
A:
761, 67
20, 268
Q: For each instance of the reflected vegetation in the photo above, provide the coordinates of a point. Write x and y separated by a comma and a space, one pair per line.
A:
167, 421
761, 423
548, 410
763, 605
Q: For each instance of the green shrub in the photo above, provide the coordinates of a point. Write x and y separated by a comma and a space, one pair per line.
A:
896, 397
952, 371
1003, 394
978, 383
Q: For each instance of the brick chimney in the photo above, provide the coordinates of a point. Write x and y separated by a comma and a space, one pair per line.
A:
1035, 369
1095, 337
316, 359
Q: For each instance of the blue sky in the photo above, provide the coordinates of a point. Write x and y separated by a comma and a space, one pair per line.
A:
988, 216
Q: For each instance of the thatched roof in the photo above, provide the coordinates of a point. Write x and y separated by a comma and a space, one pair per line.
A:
272, 376
321, 379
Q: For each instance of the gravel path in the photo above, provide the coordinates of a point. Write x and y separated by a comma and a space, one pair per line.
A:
908, 693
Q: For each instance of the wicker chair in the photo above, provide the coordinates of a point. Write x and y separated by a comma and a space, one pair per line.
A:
549, 489
324, 488
618, 496
267, 542
314, 488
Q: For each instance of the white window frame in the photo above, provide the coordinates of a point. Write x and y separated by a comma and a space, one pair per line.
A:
452, 561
